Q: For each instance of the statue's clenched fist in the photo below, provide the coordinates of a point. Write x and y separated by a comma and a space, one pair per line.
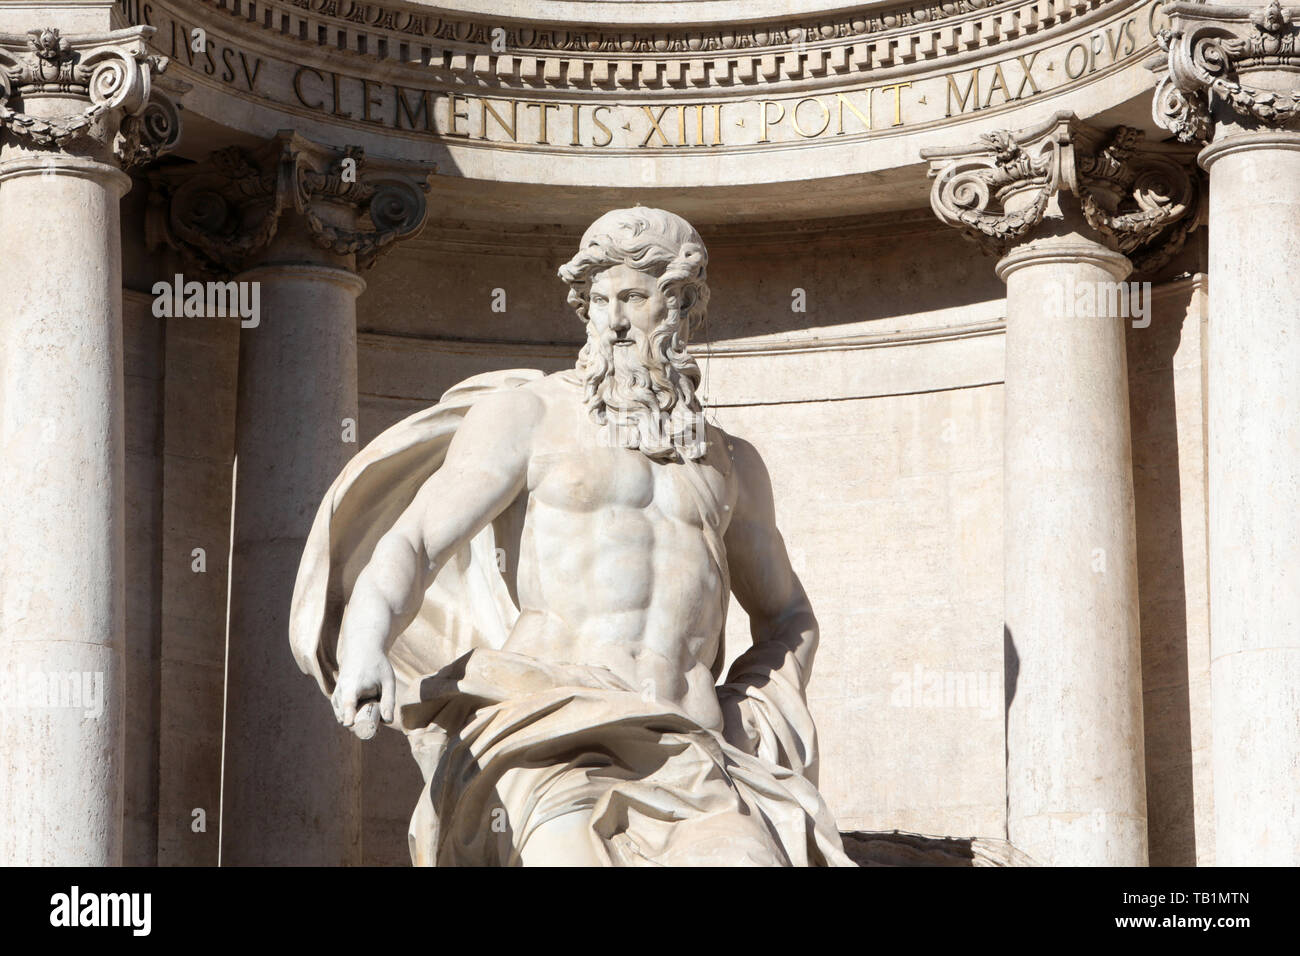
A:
364, 680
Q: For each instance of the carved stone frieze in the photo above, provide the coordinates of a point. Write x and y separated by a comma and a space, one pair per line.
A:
490, 52
224, 212
112, 72
1141, 201
1211, 53
594, 39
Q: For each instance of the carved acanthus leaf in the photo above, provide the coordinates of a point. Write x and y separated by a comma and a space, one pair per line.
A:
1204, 60
1135, 199
222, 215
146, 135
1152, 192
111, 73
970, 193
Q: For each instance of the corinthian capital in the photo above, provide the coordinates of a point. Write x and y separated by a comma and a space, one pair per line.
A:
225, 212
108, 80
1135, 198
1245, 56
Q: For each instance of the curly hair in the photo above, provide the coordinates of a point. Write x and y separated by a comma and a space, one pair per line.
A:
650, 240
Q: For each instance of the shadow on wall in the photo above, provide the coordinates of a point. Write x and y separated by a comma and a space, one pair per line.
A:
1162, 594
785, 281
897, 848
1010, 677
782, 279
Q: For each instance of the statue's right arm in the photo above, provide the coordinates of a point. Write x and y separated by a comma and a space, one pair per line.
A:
485, 470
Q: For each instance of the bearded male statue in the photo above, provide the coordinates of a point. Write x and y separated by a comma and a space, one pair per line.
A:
531, 578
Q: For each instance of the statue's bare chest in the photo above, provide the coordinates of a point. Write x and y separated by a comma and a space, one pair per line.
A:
585, 477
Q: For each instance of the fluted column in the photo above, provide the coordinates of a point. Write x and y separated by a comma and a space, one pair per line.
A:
73, 110
1231, 80
1062, 205
291, 224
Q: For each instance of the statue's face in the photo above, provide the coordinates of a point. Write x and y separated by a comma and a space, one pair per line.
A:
641, 391
627, 302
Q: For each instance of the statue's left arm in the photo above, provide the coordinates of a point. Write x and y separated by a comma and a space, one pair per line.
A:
763, 702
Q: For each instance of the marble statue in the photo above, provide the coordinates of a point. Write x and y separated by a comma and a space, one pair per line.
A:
530, 579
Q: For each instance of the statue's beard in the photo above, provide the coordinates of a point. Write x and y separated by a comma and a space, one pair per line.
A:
643, 395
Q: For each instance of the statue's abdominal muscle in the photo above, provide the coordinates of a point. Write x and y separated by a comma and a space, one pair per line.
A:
614, 568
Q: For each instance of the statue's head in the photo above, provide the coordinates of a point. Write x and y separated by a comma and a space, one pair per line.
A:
638, 282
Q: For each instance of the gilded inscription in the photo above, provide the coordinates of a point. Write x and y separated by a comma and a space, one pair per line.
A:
553, 121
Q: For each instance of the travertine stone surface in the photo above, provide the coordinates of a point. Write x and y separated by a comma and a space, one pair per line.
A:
291, 221
62, 405
70, 106
143, 364
1166, 402
1075, 774
1232, 79
876, 403
198, 467
1062, 201
1254, 498
289, 442
392, 79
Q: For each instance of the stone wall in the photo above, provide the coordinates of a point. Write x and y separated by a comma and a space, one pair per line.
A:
878, 412
1167, 398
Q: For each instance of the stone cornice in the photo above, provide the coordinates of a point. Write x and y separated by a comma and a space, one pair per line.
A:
871, 86
1213, 54
223, 214
805, 49
110, 73
1139, 200
491, 117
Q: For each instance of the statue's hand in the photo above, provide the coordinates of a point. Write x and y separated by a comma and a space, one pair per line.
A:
363, 680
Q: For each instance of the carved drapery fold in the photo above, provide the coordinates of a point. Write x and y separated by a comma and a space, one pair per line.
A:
223, 213
113, 72
1208, 51
1140, 200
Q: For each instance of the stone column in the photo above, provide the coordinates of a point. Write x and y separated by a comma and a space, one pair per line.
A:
1065, 208
292, 225
1231, 81
73, 111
